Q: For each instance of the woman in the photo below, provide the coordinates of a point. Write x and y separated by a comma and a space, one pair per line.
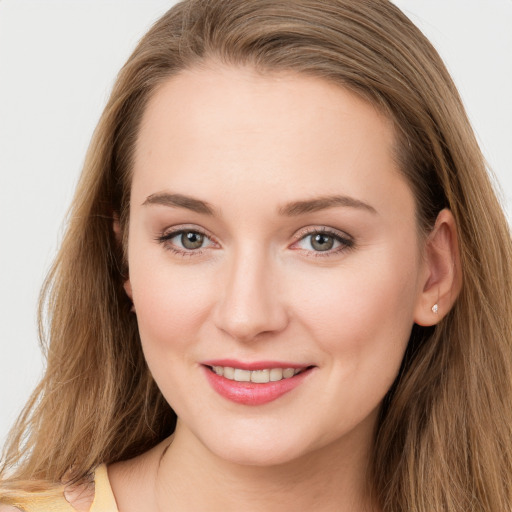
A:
285, 282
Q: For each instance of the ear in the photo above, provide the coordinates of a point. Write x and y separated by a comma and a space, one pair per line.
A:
442, 279
116, 226
128, 289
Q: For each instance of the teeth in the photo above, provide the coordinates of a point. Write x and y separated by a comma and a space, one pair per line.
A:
260, 376
288, 372
276, 374
242, 375
229, 373
257, 376
219, 370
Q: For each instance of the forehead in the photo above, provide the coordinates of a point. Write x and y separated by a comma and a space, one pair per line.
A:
206, 98
234, 127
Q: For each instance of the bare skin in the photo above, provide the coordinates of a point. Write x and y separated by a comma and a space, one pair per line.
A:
243, 148
159, 481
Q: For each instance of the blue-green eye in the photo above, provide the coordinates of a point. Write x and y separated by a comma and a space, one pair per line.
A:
324, 241
191, 239
185, 240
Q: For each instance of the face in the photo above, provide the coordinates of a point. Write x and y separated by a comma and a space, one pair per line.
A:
271, 234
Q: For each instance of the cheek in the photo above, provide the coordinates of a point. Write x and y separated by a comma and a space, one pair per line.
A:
170, 303
170, 308
361, 309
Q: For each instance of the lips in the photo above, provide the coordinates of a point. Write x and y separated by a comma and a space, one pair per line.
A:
259, 376
254, 383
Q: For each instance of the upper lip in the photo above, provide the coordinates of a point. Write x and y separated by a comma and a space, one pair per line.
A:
254, 365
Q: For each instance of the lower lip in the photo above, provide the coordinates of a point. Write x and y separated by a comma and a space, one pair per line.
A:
250, 393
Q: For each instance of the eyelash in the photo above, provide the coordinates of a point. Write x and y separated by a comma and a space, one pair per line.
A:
165, 240
345, 241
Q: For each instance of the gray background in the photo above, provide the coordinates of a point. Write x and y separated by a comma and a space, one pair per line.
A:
58, 60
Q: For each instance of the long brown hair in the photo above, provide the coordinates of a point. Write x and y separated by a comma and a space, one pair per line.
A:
444, 437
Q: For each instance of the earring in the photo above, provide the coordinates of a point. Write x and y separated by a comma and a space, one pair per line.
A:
435, 309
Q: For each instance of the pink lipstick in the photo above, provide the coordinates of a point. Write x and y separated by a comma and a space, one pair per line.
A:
255, 383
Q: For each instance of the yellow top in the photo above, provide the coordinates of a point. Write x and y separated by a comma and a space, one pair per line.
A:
104, 500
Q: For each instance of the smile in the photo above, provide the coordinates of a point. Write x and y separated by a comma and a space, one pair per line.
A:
254, 384
257, 376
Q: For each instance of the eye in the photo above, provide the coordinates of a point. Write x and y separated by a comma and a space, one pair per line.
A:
324, 241
183, 241
191, 239
321, 241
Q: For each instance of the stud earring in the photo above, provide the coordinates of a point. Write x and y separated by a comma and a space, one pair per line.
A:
435, 309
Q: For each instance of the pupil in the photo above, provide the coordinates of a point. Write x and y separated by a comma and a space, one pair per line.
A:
322, 242
192, 240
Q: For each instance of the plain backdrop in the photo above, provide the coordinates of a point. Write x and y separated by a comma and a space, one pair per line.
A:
58, 61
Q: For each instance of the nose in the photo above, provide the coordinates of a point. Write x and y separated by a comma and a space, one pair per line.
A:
249, 303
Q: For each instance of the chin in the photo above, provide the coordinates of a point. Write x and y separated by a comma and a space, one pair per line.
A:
252, 456
257, 449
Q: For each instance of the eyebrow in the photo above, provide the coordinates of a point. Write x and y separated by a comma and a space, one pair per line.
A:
292, 209
321, 203
180, 201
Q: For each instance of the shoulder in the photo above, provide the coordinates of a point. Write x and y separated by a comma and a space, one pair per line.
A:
8, 508
74, 498
38, 501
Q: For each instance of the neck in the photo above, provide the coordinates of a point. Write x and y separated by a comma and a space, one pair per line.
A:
190, 477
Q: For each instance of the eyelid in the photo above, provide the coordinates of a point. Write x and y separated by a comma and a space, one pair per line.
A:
346, 241
169, 233
322, 229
